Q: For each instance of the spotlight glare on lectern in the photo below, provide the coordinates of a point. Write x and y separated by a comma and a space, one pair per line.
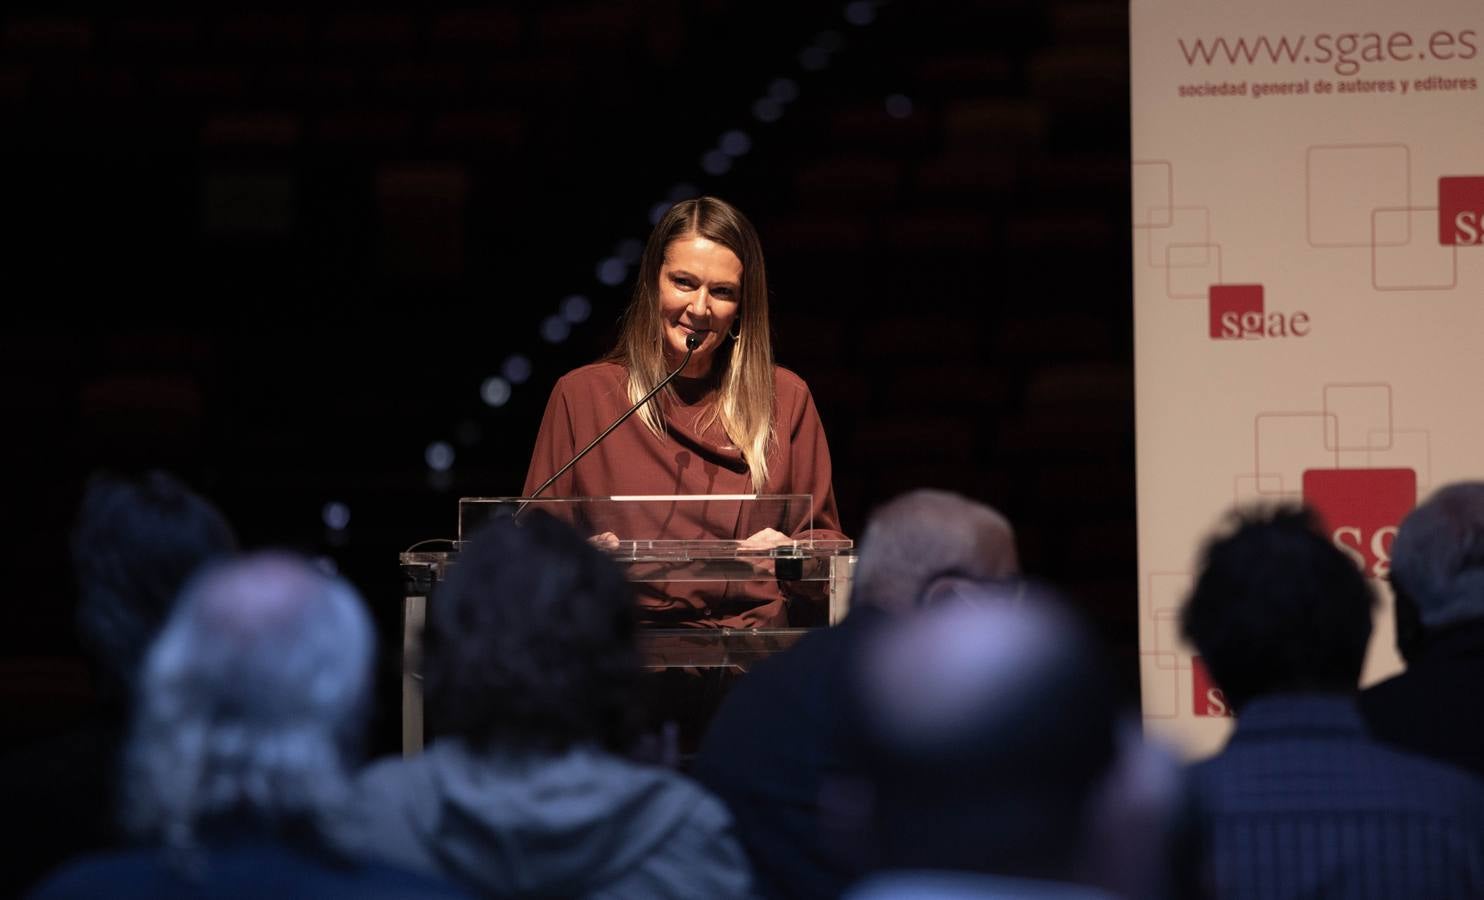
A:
861, 12
495, 391
439, 456
516, 369
767, 110
735, 143
715, 162
336, 515
612, 271
577, 308
555, 329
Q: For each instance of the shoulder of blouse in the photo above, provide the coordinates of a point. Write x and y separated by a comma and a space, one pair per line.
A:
594, 373
786, 381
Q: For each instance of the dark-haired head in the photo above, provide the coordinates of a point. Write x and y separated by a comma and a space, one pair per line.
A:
1278, 608
531, 641
135, 544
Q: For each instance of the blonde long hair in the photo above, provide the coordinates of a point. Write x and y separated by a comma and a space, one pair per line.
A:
744, 402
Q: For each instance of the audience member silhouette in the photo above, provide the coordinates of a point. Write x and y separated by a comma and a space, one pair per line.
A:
998, 763
531, 675
249, 713
1437, 573
778, 741
1303, 802
134, 544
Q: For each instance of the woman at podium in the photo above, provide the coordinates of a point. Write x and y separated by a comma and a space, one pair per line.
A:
730, 422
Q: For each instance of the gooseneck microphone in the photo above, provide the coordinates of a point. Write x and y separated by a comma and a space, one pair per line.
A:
692, 341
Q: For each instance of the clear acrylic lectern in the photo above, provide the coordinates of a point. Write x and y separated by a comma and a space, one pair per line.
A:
685, 542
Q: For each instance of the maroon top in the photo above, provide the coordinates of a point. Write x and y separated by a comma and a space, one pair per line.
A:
688, 460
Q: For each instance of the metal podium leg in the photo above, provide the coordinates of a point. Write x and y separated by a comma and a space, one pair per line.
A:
842, 573
414, 613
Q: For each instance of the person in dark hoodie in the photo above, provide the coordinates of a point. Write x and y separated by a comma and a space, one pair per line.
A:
531, 676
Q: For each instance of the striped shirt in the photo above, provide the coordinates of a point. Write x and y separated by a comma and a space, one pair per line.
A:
1303, 802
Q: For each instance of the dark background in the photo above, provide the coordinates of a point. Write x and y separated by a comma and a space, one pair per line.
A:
280, 252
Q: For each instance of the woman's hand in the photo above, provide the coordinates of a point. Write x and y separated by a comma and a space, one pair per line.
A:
605, 541
766, 539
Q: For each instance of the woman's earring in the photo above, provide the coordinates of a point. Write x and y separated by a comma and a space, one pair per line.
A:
737, 334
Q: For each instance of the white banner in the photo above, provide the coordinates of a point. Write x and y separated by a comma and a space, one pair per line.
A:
1308, 210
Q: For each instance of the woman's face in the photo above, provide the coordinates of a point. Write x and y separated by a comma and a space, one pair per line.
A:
700, 288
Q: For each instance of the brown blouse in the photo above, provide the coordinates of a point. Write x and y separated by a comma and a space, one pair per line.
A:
695, 457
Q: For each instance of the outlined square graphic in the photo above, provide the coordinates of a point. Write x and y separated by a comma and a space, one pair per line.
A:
1188, 226
1161, 679
1206, 699
1345, 182
1362, 415
1166, 595
1153, 193
1253, 488
1419, 265
1162, 655
1461, 211
1411, 448
1191, 269
1361, 509
1236, 311
1285, 444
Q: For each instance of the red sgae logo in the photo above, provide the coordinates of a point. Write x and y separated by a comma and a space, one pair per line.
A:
1206, 697
1360, 510
1461, 211
1237, 313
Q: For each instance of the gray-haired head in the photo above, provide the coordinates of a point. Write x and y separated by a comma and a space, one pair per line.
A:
920, 544
251, 701
1437, 559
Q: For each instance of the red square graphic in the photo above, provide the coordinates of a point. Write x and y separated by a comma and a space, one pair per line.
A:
1461, 211
1207, 699
1236, 311
1360, 510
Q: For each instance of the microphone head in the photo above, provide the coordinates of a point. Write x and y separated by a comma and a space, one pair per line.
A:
693, 340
